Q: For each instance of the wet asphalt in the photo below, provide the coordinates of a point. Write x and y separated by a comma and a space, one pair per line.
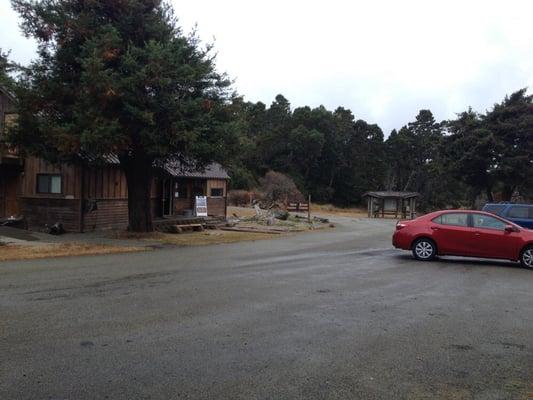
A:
335, 314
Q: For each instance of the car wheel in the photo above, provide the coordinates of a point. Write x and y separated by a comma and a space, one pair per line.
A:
424, 249
526, 259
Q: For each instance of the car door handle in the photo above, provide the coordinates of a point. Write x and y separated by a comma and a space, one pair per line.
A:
435, 228
477, 234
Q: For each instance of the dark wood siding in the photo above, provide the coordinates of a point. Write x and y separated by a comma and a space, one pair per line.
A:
42, 209
109, 214
70, 179
106, 198
47, 211
216, 206
97, 198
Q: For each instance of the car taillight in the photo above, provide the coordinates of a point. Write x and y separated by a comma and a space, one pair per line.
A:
400, 225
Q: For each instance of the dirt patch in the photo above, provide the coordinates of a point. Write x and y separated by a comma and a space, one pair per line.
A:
19, 252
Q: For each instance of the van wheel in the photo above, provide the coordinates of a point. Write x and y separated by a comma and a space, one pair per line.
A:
424, 249
526, 259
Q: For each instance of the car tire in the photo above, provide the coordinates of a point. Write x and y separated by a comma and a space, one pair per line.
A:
526, 257
424, 249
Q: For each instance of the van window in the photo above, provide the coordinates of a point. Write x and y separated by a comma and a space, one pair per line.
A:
495, 208
521, 212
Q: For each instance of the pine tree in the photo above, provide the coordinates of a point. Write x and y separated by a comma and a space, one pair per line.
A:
121, 77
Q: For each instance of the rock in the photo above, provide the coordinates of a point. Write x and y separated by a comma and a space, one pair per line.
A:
281, 215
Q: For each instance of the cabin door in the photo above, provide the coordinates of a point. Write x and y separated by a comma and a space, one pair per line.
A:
12, 204
167, 196
8, 196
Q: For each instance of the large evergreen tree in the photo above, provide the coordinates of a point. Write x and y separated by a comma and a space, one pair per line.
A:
467, 154
511, 124
6, 68
121, 77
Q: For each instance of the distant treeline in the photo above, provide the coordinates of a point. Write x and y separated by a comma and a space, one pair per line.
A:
336, 158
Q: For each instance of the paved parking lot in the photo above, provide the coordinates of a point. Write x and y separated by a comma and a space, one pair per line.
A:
326, 315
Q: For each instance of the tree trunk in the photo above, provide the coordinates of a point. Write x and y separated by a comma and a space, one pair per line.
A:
473, 199
507, 193
139, 178
411, 176
490, 197
332, 177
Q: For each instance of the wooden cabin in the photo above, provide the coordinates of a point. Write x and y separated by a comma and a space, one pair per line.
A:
10, 162
86, 195
84, 198
385, 203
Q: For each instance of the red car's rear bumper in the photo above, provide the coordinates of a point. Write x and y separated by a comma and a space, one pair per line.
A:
400, 240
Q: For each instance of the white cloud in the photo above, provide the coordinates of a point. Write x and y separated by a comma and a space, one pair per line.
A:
385, 60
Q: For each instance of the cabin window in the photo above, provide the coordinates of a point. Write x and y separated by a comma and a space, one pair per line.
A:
48, 183
181, 189
217, 192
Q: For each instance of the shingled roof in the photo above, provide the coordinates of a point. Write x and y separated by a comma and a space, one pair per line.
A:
391, 194
211, 171
173, 168
8, 93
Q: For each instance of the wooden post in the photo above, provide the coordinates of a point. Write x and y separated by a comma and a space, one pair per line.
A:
368, 205
309, 209
371, 199
82, 199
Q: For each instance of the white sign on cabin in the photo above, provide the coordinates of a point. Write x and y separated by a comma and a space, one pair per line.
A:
200, 206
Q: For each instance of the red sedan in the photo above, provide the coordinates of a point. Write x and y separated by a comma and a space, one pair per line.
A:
465, 233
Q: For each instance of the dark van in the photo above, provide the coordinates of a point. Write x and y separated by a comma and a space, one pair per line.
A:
520, 214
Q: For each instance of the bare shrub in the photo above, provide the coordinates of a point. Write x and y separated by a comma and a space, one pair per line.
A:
239, 198
280, 188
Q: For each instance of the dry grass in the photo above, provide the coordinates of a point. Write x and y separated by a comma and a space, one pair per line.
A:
241, 212
322, 209
18, 252
329, 209
211, 237
189, 238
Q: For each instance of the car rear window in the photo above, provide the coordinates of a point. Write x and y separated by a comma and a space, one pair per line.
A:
455, 219
495, 208
520, 212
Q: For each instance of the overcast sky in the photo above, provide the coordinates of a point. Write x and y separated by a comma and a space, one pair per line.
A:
384, 60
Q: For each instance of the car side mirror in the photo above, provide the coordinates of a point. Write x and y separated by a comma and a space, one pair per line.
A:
511, 229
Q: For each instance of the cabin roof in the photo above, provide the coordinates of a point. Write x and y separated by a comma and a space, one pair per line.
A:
391, 194
173, 168
211, 171
6, 92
